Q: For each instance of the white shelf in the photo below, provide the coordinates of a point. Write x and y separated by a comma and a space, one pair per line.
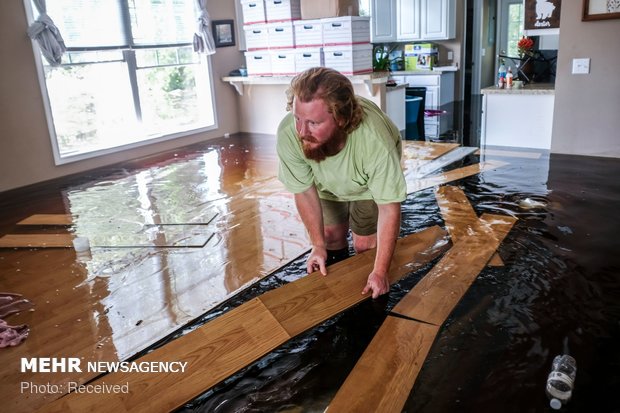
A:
370, 81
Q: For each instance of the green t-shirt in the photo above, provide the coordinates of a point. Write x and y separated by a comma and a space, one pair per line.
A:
368, 167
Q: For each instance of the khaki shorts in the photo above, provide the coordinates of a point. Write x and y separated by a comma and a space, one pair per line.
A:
361, 216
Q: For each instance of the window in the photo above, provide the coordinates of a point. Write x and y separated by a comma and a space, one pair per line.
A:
511, 26
129, 76
515, 27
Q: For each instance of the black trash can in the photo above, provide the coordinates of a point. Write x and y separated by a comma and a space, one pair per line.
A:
415, 120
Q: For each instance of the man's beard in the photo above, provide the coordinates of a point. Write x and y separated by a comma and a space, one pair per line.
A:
328, 148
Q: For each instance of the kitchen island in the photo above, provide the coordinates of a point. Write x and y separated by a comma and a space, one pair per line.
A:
521, 118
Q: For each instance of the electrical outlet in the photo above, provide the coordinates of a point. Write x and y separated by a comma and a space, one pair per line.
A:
581, 66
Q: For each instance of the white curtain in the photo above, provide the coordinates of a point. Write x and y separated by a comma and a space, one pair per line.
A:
203, 39
45, 32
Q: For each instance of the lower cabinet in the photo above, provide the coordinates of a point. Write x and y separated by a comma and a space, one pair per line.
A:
395, 106
439, 97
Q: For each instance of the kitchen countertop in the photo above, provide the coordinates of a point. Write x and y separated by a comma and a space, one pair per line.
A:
397, 86
435, 71
530, 89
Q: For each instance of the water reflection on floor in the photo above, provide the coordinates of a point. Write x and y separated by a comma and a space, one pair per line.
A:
559, 286
558, 291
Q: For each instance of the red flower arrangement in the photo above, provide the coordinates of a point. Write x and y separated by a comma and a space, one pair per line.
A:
525, 45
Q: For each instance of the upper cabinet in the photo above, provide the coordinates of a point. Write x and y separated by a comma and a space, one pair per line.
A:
438, 19
382, 21
406, 20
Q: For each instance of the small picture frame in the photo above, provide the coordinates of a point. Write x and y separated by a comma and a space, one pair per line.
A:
223, 33
600, 10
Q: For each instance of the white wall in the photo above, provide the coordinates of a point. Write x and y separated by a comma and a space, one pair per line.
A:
262, 106
587, 107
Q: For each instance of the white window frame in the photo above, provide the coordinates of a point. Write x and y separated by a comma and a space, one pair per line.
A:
61, 160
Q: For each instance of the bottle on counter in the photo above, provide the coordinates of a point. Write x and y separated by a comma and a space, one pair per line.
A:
509, 78
501, 74
561, 380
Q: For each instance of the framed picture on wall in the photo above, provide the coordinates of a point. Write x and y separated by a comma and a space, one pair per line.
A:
600, 10
223, 33
542, 14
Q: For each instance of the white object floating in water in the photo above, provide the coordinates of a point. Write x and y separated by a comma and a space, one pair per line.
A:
81, 244
529, 203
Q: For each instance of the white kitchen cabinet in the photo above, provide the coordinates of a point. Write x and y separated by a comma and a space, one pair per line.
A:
395, 106
382, 21
412, 20
438, 19
439, 96
408, 20
500, 127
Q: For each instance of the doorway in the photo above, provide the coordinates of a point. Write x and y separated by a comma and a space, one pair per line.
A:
480, 40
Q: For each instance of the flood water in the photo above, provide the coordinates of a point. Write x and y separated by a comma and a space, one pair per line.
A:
558, 292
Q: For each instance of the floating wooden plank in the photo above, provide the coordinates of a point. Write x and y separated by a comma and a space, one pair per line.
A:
435, 296
460, 217
47, 219
511, 154
166, 237
315, 298
212, 352
426, 150
37, 241
67, 219
232, 341
384, 376
414, 185
416, 169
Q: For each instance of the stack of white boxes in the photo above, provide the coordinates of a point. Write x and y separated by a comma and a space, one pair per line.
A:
346, 44
270, 36
279, 43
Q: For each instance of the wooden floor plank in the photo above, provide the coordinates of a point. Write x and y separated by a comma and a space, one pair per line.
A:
167, 236
232, 341
385, 374
213, 353
426, 150
442, 288
47, 219
460, 217
414, 185
305, 303
37, 241
383, 377
511, 154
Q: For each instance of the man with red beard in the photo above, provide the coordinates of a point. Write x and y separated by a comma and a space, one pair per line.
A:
340, 155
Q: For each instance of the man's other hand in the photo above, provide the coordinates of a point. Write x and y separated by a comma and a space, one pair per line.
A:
378, 284
316, 261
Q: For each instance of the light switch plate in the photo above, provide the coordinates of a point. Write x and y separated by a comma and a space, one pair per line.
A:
581, 66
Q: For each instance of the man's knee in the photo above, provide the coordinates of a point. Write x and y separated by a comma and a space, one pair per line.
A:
363, 243
336, 236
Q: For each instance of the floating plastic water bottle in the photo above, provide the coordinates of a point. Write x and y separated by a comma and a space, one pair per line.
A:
561, 380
